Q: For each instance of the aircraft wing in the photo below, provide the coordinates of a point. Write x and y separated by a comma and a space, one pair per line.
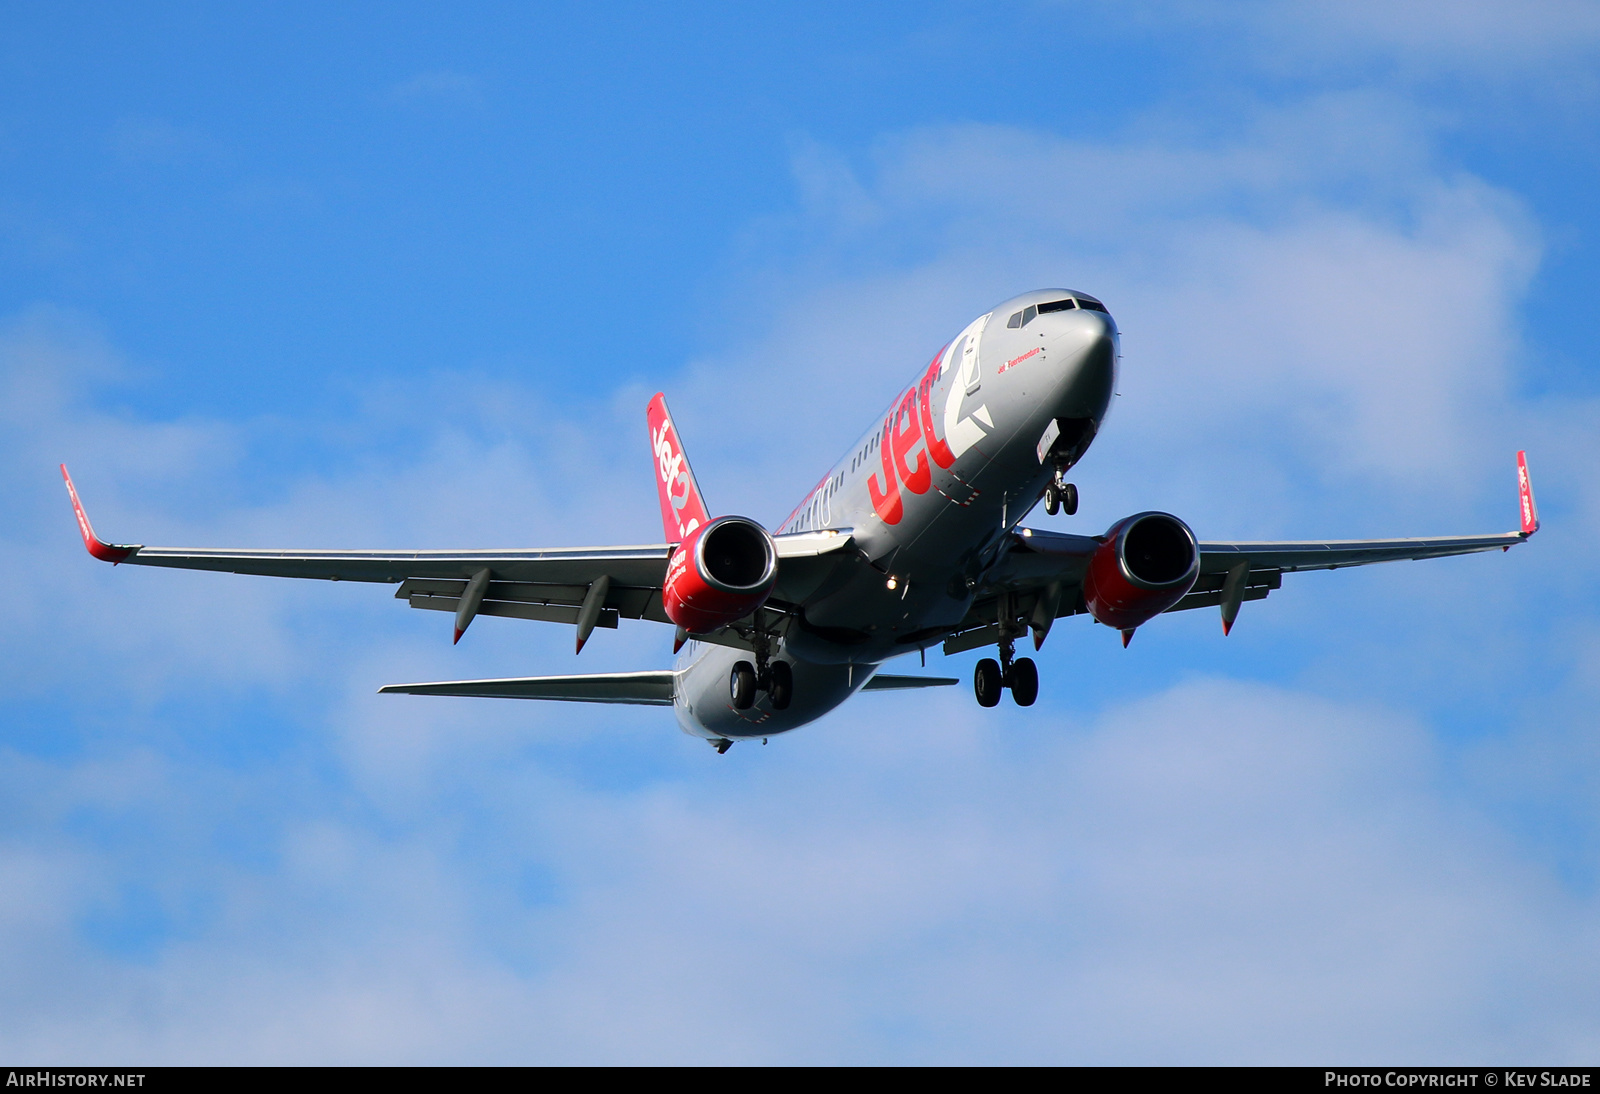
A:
585, 586
1262, 565
1040, 579
1040, 576
653, 688
1289, 556
642, 565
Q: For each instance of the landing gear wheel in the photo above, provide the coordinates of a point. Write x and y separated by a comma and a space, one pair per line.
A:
742, 685
780, 684
1052, 500
1024, 681
1069, 498
986, 682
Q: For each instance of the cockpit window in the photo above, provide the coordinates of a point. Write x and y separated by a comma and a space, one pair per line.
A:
1026, 315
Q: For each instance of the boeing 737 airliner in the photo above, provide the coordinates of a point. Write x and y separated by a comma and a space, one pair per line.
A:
912, 540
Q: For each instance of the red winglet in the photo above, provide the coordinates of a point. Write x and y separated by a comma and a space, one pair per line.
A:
1530, 511
98, 547
682, 508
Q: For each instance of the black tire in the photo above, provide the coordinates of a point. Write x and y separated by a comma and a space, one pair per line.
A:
742, 685
1069, 498
986, 683
1024, 681
780, 684
1052, 500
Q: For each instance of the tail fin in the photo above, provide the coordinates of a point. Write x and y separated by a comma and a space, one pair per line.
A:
1530, 511
682, 508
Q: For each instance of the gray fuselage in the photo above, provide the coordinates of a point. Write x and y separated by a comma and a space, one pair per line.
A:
1007, 405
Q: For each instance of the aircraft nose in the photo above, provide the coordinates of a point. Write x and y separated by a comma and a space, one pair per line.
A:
1086, 346
1084, 327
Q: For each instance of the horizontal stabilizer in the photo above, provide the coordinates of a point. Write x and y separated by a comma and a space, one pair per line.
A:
888, 682
651, 689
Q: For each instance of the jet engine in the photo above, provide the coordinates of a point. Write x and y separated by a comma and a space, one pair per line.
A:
721, 572
1145, 565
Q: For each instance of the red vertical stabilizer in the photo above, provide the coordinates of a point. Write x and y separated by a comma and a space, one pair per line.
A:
682, 508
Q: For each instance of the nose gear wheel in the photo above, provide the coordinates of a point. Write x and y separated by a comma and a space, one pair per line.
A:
1061, 495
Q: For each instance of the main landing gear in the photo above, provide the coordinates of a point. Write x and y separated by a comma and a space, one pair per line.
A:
991, 677
776, 678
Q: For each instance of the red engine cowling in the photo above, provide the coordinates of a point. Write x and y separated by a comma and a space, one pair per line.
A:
1146, 564
721, 572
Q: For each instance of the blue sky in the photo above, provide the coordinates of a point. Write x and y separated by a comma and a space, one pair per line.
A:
400, 276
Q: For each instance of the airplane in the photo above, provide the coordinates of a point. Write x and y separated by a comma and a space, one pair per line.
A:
913, 539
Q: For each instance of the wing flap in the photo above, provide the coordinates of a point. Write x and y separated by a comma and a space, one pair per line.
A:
620, 600
511, 609
650, 688
1213, 598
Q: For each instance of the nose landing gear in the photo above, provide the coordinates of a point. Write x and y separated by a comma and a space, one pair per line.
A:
1061, 495
991, 677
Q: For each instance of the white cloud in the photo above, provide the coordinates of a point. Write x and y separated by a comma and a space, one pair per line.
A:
1540, 41
1310, 297
1220, 872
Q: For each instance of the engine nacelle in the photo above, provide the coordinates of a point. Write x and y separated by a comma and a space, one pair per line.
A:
1147, 563
721, 572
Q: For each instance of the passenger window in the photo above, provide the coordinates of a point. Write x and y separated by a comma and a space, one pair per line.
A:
1015, 321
